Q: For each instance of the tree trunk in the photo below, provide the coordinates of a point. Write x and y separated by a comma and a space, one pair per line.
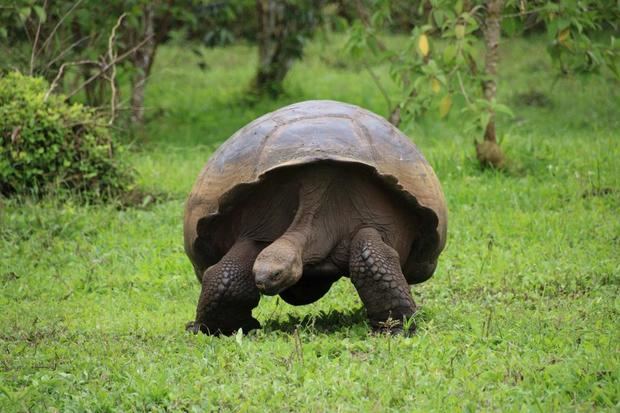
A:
491, 40
143, 61
488, 152
274, 59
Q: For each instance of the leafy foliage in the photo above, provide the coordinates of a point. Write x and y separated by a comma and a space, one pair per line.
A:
84, 47
431, 71
222, 22
577, 39
442, 61
71, 30
405, 13
284, 28
46, 143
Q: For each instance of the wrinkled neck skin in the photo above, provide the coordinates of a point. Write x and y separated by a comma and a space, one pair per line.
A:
280, 265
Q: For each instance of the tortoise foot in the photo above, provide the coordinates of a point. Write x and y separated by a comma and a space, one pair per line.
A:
393, 327
226, 329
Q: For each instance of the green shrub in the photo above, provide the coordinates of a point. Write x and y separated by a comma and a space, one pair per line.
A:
49, 144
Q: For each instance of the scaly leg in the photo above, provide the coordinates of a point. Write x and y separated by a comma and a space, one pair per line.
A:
376, 274
228, 293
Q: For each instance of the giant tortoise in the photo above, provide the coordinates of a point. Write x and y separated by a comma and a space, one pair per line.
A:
303, 196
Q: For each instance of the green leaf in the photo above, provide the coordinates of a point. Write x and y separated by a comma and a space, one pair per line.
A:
24, 13
563, 24
459, 31
458, 6
438, 15
512, 26
611, 64
484, 119
41, 14
448, 53
503, 109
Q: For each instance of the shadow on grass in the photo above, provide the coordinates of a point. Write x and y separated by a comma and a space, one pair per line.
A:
333, 321
323, 322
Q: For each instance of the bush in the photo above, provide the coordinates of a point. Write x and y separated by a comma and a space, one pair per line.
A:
48, 144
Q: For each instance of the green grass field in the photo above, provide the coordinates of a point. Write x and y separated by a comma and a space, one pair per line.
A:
522, 314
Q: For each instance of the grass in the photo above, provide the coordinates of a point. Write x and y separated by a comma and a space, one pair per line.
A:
522, 314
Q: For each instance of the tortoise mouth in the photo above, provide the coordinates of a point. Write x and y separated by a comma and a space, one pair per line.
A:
265, 290
270, 282
267, 287
277, 267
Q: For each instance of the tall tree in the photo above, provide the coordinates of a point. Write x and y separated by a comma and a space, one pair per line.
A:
488, 151
283, 28
142, 60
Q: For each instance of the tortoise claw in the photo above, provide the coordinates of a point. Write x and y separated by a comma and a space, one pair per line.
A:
193, 327
393, 331
393, 327
196, 327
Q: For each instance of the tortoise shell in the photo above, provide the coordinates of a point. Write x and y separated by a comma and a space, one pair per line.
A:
304, 133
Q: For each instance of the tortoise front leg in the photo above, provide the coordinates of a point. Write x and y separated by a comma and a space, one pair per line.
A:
228, 293
376, 274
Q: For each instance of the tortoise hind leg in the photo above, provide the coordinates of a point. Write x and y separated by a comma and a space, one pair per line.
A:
376, 274
228, 293
307, 290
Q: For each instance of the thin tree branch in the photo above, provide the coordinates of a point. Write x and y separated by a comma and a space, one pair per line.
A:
65, 51
394, 116
458, 75
36, 41
105, 67
523, 13
112, 55
61, 71
377, 81
62, 19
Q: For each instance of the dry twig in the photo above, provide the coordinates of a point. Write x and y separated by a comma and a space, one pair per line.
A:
112, 55
61, 71
107, 66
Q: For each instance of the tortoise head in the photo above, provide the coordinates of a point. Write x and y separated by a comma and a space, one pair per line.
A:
277, 267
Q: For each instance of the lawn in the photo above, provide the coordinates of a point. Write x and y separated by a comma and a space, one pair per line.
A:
522, 314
